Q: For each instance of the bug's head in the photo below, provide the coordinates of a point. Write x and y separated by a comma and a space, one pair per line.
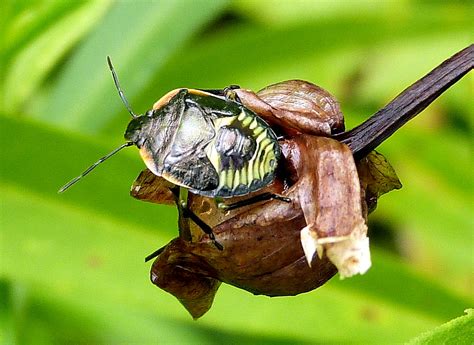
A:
156, 126
137, 130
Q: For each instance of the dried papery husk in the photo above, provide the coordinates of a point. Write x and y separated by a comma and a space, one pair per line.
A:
377, 177
330, 198
296, 106
185, 276
149, 187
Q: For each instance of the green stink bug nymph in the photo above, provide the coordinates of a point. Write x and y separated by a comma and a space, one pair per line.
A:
204, 141
209, 144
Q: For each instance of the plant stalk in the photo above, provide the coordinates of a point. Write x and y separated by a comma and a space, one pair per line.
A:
381, 125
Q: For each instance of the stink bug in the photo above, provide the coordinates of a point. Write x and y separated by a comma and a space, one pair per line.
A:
210, 145
204, 141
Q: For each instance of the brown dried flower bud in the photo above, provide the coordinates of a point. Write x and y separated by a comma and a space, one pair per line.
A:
269, 247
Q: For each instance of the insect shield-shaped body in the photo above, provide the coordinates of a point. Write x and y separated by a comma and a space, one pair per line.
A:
203, 141
209, 144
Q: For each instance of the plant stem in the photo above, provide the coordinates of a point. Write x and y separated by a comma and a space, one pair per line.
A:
371, 133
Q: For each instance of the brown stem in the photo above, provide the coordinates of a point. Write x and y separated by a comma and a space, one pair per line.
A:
371, 133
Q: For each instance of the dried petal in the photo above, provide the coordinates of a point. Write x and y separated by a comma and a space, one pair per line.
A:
351, 255
309, 242
152, 188
330, 197
296, 106
307, 102
377, 177
186, 277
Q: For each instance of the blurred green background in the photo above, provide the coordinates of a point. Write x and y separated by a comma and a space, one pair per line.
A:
71, 265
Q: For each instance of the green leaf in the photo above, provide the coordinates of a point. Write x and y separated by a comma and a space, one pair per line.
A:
459, 331
433, 211
45, 159
24, 21
33, 63
275, 12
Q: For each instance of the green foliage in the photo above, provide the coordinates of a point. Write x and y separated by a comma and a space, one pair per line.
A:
71, 268
459, 331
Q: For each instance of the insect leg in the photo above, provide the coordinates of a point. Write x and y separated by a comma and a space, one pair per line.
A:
154, 254
206, 228
181, 198
252, 200
231, 95
221, 92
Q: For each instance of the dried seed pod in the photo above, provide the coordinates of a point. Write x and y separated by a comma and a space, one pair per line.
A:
261, 259
269, 247
263, 253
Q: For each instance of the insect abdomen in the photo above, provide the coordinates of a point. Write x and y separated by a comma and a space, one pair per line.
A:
244, 152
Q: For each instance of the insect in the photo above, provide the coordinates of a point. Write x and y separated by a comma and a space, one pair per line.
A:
206, 142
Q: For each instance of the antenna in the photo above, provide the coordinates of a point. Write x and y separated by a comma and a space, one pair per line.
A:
89, 169
119, 89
